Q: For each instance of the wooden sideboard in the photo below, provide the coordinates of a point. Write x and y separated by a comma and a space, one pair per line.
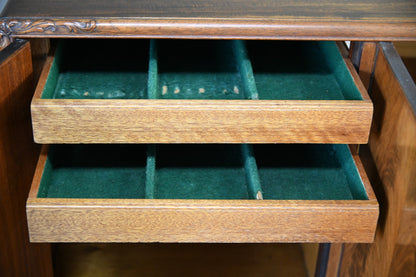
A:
389, 157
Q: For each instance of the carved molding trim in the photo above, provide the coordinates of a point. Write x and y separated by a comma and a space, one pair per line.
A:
201, 28
12, 27
50, 26
5, 35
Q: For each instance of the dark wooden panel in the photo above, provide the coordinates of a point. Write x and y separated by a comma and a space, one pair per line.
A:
404, 261
339, 10
74, 260
18, 156
209, 28
392, 146
40, 50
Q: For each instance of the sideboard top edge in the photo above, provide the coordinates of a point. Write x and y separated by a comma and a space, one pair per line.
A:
198, 28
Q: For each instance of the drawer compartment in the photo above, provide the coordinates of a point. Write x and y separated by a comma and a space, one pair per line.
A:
180, 91
200, 193
90, 71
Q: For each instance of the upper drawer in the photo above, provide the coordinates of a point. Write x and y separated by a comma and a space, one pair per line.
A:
179, 91
201, 193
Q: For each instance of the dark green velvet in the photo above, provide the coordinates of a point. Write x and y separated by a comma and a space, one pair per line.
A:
200, 172
308, 172
122, 171
245, 69
152, 82
99, 69
150, 172
198, 70
313, 172
252, 174
94, 171
295, 70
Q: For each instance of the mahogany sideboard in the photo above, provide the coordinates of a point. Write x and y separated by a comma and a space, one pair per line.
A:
389, 158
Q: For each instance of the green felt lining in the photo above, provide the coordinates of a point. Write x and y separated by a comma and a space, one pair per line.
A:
309, 172
252, 174
94, 171
198, 69
152, 82
99, 69
292, 70
150, 172
245, 69
200, 172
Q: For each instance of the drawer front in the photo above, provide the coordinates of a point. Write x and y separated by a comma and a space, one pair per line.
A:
200, 92
211, 193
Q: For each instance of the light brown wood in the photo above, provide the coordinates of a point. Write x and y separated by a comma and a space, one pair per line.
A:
159, 220
367, 63
204, 121
392, 145
200, 121
357, 78
18, 156
64, 220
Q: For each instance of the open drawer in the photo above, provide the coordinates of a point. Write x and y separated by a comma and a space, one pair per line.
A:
180, 91
201, 193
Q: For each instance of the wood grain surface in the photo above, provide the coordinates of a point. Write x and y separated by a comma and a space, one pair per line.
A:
159, 220
367, 64
300, 19
18, 156
335, 10
334, 260
404, 255
65, 220
204, 28
201, 121
392, 148
404, 261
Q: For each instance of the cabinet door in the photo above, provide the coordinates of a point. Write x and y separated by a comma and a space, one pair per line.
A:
18, 156
390, 162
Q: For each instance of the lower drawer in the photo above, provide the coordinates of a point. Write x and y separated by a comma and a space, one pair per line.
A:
200, 193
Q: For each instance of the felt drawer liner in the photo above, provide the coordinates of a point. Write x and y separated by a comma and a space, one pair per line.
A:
181, 91
208, 193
